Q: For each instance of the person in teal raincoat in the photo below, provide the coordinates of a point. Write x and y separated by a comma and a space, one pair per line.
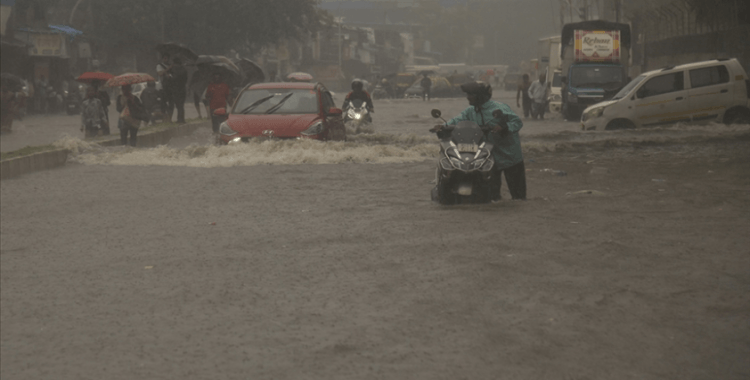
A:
504, 136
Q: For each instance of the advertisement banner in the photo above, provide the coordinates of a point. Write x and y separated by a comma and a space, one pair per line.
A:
47, 45
597, 45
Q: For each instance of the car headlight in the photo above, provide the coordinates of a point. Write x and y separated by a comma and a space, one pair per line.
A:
314, 129
556, 98
224, 129
593, 113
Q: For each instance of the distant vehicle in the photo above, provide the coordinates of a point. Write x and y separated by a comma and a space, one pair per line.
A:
595, 56
441, 88
511, 81
283, 110
401, 82
716, 90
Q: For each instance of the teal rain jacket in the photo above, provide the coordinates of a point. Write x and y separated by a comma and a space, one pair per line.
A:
507, 151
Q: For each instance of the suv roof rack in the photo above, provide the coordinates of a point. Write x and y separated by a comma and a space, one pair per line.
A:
667, 68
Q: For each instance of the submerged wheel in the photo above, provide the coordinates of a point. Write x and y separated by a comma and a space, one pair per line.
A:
737, 116
619, 124
444, 194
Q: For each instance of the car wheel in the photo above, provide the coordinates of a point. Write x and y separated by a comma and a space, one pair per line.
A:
737, 116
619, 124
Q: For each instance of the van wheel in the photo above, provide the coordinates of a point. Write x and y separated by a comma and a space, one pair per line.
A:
737, 116
619, 124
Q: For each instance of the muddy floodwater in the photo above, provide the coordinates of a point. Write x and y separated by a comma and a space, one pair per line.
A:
310, 260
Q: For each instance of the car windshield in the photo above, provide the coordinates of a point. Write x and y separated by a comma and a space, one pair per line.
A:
626, 90
289, 101
583, 76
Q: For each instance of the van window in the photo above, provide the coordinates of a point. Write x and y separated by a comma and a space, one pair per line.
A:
709, 76
662, 84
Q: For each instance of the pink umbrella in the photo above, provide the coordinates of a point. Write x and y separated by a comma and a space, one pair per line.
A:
299, 77
92, 76
129, 78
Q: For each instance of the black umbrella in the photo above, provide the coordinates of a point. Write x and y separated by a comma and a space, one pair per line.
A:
252, 72
173, 48
11, 82
211, 59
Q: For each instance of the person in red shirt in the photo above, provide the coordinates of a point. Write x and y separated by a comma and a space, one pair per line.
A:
217, 94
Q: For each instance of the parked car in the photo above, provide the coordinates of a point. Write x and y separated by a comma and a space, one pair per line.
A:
716, 90
441, 88
283, 110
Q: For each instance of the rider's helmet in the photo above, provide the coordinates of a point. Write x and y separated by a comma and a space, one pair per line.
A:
481, 90
357, 85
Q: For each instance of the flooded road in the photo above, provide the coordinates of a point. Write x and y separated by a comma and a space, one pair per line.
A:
300, 259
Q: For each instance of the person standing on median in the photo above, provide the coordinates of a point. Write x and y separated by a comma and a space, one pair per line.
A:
217, 95
128, 105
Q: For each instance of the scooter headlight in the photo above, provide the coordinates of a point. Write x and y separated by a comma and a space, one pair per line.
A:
224, 129
350, 113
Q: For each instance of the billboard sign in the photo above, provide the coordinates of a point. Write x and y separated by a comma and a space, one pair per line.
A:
597, 45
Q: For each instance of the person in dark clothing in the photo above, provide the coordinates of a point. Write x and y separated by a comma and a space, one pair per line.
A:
105, 100
523, 88
150, 100
176, 90
128, 123
358, 92
426, 84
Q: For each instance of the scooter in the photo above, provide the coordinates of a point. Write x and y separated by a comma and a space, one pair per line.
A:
357, 113
465, 163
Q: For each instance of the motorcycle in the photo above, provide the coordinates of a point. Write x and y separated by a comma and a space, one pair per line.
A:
357, 113
464, 169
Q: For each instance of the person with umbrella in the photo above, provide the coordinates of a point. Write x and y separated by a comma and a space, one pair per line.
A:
131, 110
175, 88
93, 118
96, 79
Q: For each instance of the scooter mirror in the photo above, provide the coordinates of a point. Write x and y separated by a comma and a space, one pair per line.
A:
436, 113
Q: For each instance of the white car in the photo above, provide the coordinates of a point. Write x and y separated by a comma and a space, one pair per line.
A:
716, 90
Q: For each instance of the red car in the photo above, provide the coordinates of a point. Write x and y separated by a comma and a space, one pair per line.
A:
283, 110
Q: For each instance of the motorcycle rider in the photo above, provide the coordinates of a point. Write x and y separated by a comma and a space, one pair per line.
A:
358, 92
504, 136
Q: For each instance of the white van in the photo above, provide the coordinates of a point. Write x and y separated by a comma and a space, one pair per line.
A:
716, 90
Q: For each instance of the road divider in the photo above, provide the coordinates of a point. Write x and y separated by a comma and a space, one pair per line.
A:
54, 158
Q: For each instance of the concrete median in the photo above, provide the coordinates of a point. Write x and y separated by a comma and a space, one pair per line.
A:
17, 166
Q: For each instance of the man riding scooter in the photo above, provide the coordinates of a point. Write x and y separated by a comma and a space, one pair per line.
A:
504, 136
358, 96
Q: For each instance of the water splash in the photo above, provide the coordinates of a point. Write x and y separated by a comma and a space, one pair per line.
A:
274, 152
